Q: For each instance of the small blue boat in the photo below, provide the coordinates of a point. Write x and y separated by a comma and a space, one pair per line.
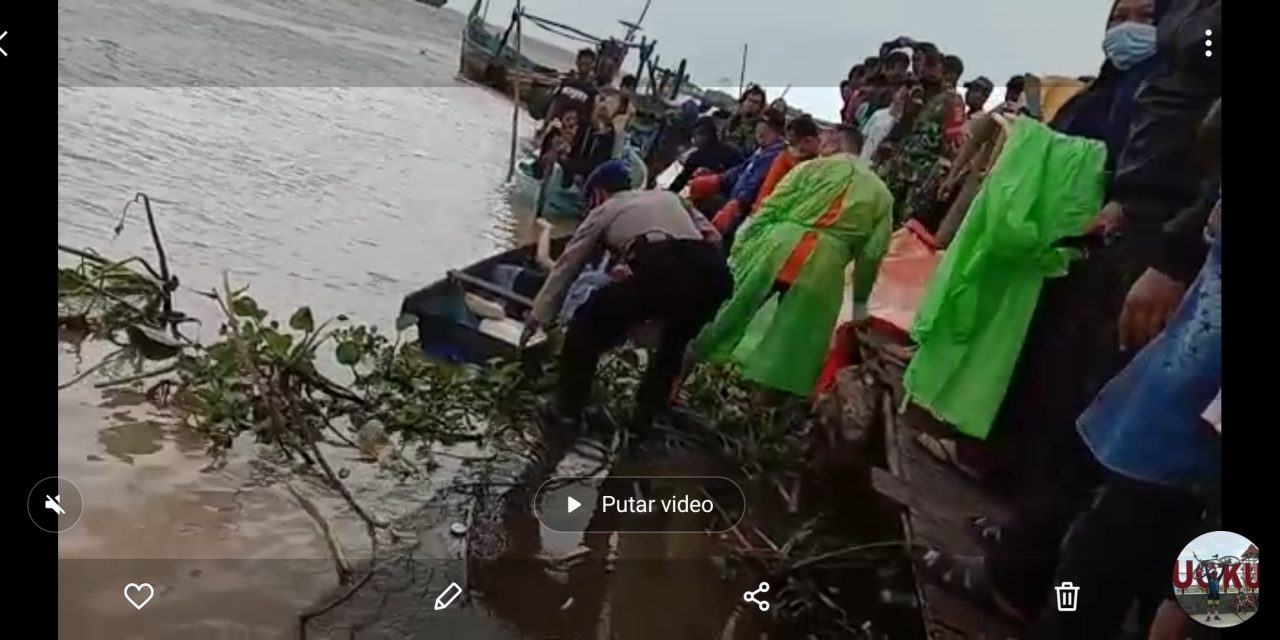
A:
560, 202
472, 315
566, 202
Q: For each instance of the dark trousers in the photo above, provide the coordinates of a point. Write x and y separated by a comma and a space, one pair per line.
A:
1122, 551
679, 282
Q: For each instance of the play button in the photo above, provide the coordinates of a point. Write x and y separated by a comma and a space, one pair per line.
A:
573, 504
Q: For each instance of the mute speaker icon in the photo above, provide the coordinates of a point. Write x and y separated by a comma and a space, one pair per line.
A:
53, 504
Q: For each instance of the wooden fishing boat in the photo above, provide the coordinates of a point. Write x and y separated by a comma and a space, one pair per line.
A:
491, 58
659, 130
475, 314
559, 201
494, 57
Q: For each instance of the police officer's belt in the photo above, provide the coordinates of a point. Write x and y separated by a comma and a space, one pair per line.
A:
646, 239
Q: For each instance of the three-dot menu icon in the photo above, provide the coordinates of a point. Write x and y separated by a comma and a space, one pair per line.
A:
1208, 43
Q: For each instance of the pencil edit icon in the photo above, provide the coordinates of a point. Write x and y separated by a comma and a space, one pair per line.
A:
447, 596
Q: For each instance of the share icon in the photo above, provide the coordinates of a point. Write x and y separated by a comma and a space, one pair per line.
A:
750, 596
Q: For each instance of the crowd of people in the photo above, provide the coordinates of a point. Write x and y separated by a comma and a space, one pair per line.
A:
587, 119
1071, 333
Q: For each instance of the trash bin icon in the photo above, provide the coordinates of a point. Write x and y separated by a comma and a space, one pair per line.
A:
1068, 596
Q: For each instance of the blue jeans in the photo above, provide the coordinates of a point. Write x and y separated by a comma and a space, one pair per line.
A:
1146, 424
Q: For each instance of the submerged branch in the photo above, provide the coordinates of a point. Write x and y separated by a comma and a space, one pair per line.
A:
135, 378
330, 538
307, 616
341, 487
88, 372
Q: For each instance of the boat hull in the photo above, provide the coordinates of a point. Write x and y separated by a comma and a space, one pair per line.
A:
660, 131
482, 62
560, 203
450, 330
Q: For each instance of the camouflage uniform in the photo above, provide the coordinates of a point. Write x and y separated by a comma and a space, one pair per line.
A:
915, 159
740, 133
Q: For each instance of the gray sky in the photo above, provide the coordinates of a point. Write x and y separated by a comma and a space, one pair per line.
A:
810, 44
1223, 543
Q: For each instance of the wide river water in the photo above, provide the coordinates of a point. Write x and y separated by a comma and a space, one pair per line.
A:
321, 152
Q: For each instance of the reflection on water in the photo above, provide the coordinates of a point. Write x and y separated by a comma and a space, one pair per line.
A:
130, 438
628, 586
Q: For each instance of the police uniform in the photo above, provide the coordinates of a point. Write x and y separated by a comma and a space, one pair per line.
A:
677, 277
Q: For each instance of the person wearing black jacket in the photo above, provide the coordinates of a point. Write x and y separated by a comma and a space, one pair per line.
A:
709, 153
1158, 191
1160, 200
1071, 348
1162, 458
576, 92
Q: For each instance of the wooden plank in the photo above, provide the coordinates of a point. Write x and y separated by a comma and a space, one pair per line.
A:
892, 453
966, 619
941, 481
894, 461
948, 491
954, 540
936, 526
891, 487
469, 280
922, 502
938, 504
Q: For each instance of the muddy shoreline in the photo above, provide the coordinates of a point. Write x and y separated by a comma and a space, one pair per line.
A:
466, 517
607, 584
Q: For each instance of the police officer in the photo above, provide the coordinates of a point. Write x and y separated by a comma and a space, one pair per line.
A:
673, 272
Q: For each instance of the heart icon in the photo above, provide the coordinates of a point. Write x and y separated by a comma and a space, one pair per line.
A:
151, 592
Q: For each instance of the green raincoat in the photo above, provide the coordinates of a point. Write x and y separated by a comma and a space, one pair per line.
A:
782, 343
974, 316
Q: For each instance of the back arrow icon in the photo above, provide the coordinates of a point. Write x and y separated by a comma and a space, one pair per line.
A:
2, 51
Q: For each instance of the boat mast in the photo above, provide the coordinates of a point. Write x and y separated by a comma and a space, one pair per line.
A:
635, 26
516, 15
742, 74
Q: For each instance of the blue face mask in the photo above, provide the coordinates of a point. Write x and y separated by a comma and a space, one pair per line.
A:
1129, 43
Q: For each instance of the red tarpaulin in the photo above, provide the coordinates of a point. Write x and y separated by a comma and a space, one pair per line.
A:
904, 274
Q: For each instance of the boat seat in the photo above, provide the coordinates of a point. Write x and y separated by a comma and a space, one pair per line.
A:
483, 307
508, 331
